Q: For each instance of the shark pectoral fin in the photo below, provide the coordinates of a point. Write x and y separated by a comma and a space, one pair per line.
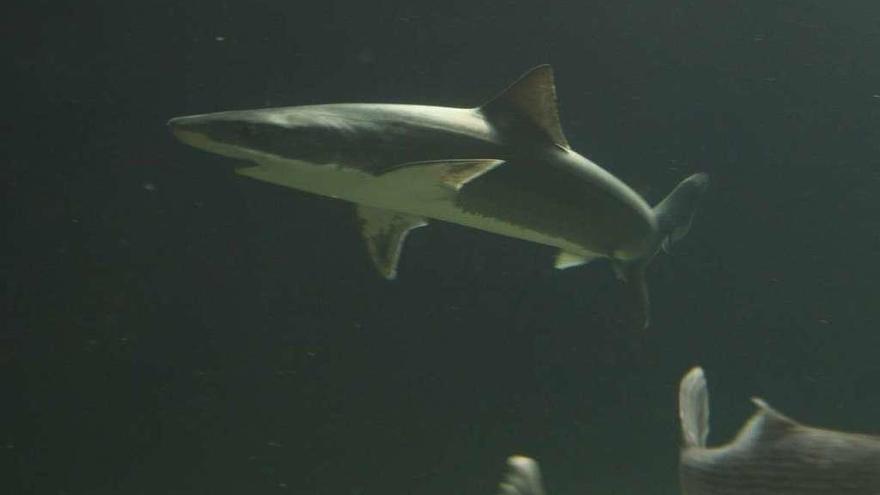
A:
528, 106
385, 231
523, 477
451, 175
565, 260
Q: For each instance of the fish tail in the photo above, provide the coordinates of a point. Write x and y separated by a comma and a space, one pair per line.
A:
674, 217
522, 477
693, 408
633, 274
676, 212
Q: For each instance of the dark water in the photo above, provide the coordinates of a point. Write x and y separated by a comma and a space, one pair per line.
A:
173, 328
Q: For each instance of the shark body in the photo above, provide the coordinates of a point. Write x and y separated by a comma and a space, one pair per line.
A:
504, 167
772, 454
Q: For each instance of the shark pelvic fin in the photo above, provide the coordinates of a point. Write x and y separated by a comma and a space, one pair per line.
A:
528, 106
384, 231
568, 260
632, 273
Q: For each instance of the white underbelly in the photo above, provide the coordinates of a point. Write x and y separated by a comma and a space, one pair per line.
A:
405, 192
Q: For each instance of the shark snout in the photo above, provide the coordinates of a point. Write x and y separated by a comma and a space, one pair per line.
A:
189, 130
178, 122
207, 130
188, 121
192, 123
235, 134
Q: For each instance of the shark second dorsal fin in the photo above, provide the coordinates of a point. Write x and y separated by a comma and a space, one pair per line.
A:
772, 414
384, 231
766, 426
529, 105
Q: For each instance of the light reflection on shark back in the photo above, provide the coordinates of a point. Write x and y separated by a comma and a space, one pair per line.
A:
377, 138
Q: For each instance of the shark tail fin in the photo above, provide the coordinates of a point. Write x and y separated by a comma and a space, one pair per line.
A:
674, 217
693, 408
676, 212
522, 477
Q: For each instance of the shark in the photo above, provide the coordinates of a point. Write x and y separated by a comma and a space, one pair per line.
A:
772, 454
504, 167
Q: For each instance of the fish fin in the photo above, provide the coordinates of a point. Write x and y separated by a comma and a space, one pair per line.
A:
693, 408
773, 419
676, 212
674, 216
767, 425
565, 260
384, 231
522, 477
528, 106
451, 174
632, 273
775, 416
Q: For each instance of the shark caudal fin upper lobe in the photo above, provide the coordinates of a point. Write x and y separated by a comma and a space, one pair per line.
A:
693, 408
676, 212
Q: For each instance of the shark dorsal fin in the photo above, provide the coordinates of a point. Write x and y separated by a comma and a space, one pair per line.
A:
773, 415
531, 100
766, 425
693, 408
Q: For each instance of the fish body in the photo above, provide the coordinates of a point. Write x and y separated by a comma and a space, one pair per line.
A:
772, 454
504, 167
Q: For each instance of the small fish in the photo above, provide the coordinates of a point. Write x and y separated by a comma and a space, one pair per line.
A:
772, 454
503, 167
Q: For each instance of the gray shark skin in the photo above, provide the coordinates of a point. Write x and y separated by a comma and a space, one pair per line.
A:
772, 454
504, 167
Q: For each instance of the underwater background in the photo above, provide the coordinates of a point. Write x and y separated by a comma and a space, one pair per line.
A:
171, 327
